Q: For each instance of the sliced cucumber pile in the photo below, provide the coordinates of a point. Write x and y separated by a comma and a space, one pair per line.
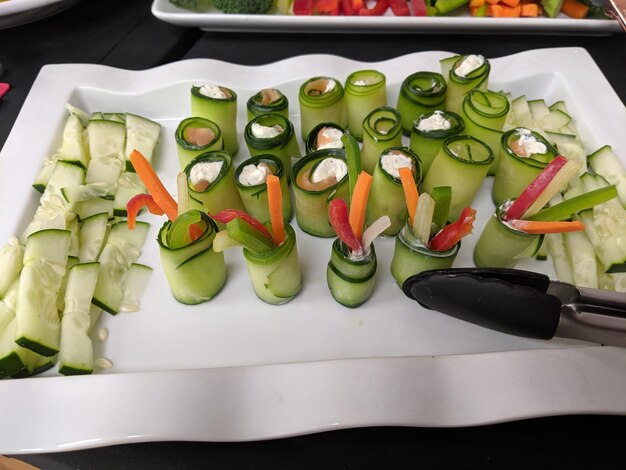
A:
76, 257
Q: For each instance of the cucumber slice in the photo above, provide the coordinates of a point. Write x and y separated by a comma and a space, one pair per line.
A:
42, 178
63, 174
97, 205
134, 285
11, 263
129, 185
74, 149
142, 134
10, 353
606, 163
106, 139
93, 232
85, 192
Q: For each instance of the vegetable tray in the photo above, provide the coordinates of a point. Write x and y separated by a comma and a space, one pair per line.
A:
235, 368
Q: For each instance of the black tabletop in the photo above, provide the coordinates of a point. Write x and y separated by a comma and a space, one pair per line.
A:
124, 34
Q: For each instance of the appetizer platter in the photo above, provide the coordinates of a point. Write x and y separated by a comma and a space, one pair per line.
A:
254, 360
211, 19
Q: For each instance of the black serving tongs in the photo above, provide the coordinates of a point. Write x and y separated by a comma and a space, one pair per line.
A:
522, 303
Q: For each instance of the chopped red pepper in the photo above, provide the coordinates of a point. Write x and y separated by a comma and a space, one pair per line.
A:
351, 7
227, 215
138, 202
451, 234
338, 216
400, 7
419, 7
326, 7
195, 231
4, 87
303, 7
378, 9
534, 189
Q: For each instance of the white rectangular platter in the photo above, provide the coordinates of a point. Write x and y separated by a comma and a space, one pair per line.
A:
236, 368
458, 22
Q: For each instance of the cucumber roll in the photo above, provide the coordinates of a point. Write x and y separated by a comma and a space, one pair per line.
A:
266, 101
321, 99
318, 178
420, 93
387, 194
251, 177
326, 135
462, 163
462, 74
500, 245
274, 134
365, 90
194, 271
523, 154
429, 132
218, 104
211, 182
382, 129
197, 135
350, 278
485, 113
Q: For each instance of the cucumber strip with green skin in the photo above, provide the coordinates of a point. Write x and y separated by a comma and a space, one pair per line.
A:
142, 134
254, 198
318, 104
71, 262
74, 148
350, 281
222, 111
250, 237
106, 141
365, 90
382, 128
387, 194
128, 186
606, 163
515, 172
564, 210
42, 178
459, 85
462, 163
442, 195
256, 107
582, 258
34, 364
427, 143
98, 205
104, 170
484, 114
195, 272
312, 206
11, 264
84, 192
500, 246
187, 150
10, 352
420, 93
222, 192
63, 174
135, 284
284, 145
275, 275
37, 316
310, 143
411, 257
560, 259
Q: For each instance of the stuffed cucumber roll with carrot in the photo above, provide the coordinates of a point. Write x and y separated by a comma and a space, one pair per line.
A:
326, 135
194, 136
462, 74
218, 104
321, 99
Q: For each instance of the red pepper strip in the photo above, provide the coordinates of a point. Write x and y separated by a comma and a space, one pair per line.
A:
346, 7
400, 7
338, 216
451, 234
4, 87
377, 10
136, 203
227, 215
303, 7
419, 7
195, 232
326, 7
534, 189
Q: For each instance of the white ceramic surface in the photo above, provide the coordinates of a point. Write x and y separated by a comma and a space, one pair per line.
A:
236, 368
18, 12
214, 20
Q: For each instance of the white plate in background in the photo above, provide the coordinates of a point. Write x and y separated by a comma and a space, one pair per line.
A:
18, 12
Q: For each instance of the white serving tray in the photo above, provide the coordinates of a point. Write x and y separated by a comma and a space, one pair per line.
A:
236, 368
457, 22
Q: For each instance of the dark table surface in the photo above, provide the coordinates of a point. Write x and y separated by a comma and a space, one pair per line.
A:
124, 34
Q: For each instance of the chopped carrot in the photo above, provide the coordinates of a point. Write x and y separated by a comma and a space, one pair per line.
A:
510, 3
154, 185
493, 2
530, 10
531, 226
275, 202
500, 11
410, 191
359, 203
574, 9
476, 3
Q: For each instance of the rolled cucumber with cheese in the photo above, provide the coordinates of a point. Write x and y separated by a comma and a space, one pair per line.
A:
318, 178
325, 135
321, 99
196, 135
351, 278
382, 129
266, 101
365, 90
430, 131
463, 73
218, 104
420, 93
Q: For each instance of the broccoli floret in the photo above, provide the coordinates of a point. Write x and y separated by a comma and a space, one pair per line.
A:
244, 6
193, 5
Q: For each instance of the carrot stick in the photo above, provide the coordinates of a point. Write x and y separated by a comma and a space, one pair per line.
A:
410, 191
531, 226
510, 3
359, 203
154, 185
275, 202
530, 10
574, 9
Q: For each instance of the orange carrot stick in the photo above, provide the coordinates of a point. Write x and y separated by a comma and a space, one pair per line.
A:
530, 10
275, 202
154, 185
574, 9
359, 203
531, 226
410, 191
